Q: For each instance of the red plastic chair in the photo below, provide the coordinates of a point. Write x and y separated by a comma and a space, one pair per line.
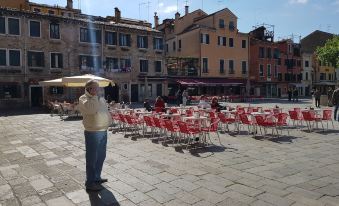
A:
262, 123
246, 120
213, 127
188, 131
282, 121
309, 117
327, 116
226, 120
295, 117
172, 128
149, 124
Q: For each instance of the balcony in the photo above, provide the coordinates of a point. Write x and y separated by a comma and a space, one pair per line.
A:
189, 72
183, 67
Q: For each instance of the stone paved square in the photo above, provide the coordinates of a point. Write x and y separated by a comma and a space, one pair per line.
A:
42, 162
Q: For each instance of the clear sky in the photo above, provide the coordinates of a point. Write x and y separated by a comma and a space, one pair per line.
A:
297, 17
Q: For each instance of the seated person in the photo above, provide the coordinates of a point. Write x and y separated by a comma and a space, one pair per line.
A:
159, 104
202, 103
215, 104
147, 105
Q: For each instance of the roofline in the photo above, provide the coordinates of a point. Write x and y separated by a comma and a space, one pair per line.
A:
199, 18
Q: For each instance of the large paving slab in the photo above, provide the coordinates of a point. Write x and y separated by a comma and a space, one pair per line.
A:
42, 163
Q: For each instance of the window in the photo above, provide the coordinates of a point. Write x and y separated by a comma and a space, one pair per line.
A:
112, 64
36, 10
34, 28
54, 32
221, 23
329, 77
56, 60
89, 62
125, 65
143, 65
159, 89
243, 44
90, 35
50, 12
276, 53
204, 65
306, 63
157, 66
204, 38
180, 44
2, 25
124, 39
306, 76
322, 76
173, 46
221, 67
230, 42
14, 58
261, 52
269, 53
110, 38
221, 40
243, 67
231, 66
269, 70
158, 43
14, 26
261, 70
35, 59
3, 58
10, 90
142, 42
275, 71
289, 49
231, 26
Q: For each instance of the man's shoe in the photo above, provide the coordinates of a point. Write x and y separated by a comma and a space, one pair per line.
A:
103, 180
94, 187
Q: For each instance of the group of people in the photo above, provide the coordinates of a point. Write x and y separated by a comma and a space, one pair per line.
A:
182, 97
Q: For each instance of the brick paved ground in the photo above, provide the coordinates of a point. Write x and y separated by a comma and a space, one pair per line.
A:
42, 163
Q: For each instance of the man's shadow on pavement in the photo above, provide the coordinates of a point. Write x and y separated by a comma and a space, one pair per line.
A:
102, 197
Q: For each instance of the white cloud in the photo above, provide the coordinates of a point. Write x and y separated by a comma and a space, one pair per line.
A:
161, 5
168, 9
298, 1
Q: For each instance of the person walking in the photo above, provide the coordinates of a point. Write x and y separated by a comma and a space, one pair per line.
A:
335, 101
329, 97
178, 96
295, 94
289, 92
96, 120
317, 95
184, 97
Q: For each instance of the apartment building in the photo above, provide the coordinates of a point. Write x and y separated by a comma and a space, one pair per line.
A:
206, 52
316, 74
36, 46
265, 63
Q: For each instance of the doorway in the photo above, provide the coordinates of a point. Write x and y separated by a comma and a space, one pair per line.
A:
112, 93
36, 96
134, 93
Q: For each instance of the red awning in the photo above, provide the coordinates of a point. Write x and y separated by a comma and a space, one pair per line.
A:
211, 82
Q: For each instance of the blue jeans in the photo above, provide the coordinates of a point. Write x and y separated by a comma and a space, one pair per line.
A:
336, 107
96, 142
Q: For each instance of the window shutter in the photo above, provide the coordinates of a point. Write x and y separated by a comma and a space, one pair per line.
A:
154, 43
128, 40
207, 39
60, 61
201, 38
138, 41
146, 41
29, 56
224, 41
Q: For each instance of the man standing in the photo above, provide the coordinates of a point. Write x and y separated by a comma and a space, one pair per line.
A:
317, 96
335, 100
96, 120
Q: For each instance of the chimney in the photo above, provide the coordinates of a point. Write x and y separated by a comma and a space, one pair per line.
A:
186, 10
69, 4
177, 16
117, 14
156, 20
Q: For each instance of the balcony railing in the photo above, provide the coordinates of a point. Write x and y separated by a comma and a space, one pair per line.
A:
191, 72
